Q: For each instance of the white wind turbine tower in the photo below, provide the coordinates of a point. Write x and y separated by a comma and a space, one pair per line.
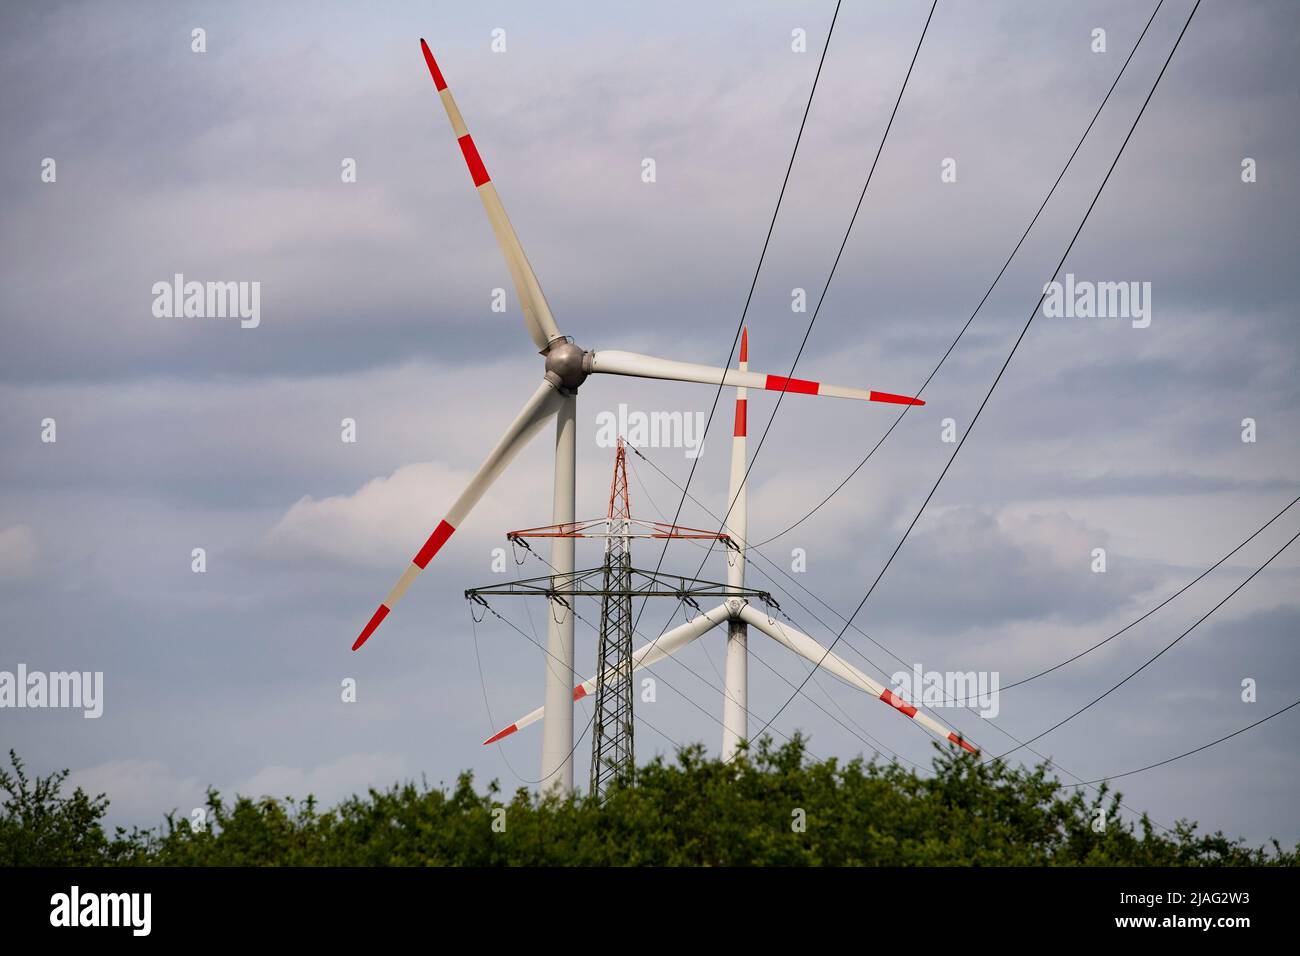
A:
566, 367
739, 616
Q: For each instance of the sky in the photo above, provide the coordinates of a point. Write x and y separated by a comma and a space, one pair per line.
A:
177, 433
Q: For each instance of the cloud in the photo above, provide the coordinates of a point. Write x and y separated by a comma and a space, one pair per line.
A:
141, 790
971, 567
372, 526
329, 783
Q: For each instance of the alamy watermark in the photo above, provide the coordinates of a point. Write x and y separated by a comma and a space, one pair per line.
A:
651, 429
949, 689
82, 690
130, 910
1082, 299
208, 300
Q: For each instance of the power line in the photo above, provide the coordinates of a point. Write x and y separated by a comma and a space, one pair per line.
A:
755, 549
870, 741
821, 298
838, 255
943, 359
853, 647
1166, 601
987, 292
1152, 766
862, 733
753, 282
492, 723
1014, 347
487, 706
1153, 659
535, 639
550, 663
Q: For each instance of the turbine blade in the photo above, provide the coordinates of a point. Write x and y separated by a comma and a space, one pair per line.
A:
544, 403
737, 494
537, 314
648, 654
810, 650
647, 366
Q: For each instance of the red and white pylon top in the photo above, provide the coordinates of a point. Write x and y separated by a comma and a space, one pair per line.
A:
620, 510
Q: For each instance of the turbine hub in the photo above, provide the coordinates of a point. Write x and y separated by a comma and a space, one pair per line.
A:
564, 363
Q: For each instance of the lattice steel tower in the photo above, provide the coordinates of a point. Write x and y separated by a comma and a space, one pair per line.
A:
612, 756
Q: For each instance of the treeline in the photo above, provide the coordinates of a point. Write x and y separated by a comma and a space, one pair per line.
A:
771, 808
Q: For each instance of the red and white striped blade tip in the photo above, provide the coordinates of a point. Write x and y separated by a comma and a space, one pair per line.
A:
893, 399
505, 733
438, 81
375, 620
961, 742
418, 563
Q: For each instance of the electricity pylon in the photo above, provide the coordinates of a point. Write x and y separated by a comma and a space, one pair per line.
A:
612, 756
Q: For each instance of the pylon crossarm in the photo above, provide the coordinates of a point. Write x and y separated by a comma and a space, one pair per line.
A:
642, 583
567, 529
628, 527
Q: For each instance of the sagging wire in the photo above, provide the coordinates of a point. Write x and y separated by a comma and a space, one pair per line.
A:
1015, 346
555, 597
483, 683
517, 543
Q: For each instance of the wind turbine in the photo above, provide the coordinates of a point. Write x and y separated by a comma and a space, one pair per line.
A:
566, 367
739, 616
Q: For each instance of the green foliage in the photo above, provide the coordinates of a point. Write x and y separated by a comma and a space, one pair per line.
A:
41, 827
694, 812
